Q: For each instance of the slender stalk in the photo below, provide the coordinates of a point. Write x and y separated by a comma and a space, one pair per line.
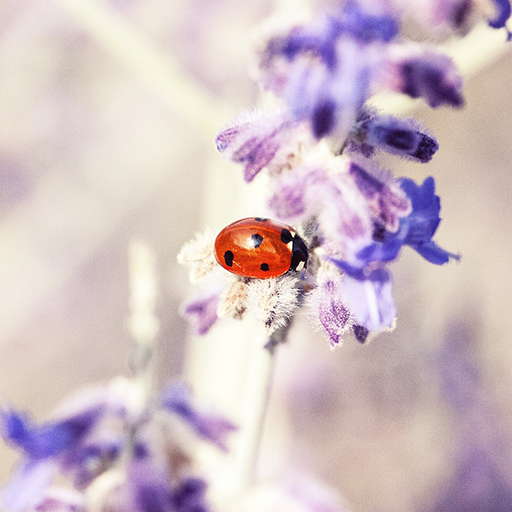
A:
155, 69
257, 397
143, 323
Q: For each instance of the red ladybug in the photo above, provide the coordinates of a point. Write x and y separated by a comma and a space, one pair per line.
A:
260, 248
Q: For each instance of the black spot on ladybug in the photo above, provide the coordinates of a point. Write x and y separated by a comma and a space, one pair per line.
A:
264, 267
260, 219
286, 236
256, 240
228, 258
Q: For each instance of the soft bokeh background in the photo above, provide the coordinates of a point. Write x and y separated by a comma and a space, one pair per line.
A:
96, 152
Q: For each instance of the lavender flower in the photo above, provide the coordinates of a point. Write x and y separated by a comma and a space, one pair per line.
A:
91, 438
202, 311
177, 399
415, 230
45, 447
354, 214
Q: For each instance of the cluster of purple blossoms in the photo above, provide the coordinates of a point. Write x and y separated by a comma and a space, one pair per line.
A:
319, 153
130, 458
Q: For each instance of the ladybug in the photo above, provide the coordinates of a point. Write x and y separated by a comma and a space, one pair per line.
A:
260, 248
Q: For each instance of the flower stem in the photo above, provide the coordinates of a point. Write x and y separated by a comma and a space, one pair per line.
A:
257, 397
143, 323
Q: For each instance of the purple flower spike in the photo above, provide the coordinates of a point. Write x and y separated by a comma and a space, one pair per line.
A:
432, 76
177, 399
202, 312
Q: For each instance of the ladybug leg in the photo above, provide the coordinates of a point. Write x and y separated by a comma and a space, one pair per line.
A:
299, 253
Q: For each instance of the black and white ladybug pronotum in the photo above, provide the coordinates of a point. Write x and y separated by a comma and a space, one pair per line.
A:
259, 248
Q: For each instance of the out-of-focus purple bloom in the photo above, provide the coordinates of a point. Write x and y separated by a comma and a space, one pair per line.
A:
202, 312
368, 27
503, 14
458, 373
426, 74
324, 71
150, 488
479, 482
478, 485
177, 398
26, 487
49, 439
46, 447
189, 496
401, 137
416, 230
91, 460
62, 500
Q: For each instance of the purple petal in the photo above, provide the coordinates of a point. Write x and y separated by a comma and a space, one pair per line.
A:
26, 487
49, 439
477, 486
90, 460
332, 313
388, 202
296, 194
62, 500
424, 73
201, 312
177, 398
435, 254
367, 27
370, 301
401, 137
361, 333
189, 496
503, 14
415, 230
432, 77
261, 141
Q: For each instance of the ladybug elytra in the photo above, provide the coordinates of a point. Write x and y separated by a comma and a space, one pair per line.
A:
259, 248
